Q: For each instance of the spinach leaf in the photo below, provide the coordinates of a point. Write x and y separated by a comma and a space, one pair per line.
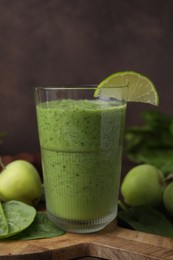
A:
3, 223
162, 159
19, 216
42, 227
152, 142
147, 219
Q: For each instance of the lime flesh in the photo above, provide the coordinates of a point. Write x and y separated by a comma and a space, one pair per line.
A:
130, 86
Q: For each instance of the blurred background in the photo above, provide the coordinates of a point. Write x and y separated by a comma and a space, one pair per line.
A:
74, 42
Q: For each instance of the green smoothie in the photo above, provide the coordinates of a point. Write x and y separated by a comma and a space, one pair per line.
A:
81, 146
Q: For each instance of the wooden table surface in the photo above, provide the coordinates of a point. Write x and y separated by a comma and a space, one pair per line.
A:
113, 243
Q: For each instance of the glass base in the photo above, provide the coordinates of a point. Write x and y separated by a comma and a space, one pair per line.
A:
81, 226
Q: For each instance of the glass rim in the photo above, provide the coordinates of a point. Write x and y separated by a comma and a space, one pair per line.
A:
67, 87
74, 87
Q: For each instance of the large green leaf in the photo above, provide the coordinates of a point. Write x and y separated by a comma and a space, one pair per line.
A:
146, 219
42, 227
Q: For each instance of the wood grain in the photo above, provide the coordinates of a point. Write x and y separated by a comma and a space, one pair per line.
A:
112, 243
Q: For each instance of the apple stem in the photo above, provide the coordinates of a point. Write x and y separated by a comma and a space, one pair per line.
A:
169, 178
1, 163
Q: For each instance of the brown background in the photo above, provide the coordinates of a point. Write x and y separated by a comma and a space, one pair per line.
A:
78, 41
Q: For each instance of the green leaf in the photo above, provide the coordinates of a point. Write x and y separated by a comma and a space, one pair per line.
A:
19, 216
152, 143
3, 222
42, 227
148, 220
156, 119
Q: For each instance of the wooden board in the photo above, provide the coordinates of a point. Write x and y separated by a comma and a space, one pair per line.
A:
112, 243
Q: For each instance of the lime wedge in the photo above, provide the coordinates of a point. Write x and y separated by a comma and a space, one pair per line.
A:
130, 86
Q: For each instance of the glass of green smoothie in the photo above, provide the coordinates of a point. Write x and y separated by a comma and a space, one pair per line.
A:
81, 139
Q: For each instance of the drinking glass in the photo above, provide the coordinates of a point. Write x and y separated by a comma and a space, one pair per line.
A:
81, 140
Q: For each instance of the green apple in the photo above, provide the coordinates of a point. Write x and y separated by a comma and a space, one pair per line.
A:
20, 180
168, 198
143, 185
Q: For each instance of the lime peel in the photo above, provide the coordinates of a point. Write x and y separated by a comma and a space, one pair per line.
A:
130, 86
